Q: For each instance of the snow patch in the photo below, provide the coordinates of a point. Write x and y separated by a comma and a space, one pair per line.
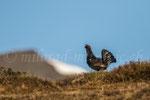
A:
66, 69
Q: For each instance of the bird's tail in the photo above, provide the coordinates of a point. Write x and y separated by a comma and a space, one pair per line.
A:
108, 57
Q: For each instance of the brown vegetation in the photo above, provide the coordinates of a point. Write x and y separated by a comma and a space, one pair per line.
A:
130, 82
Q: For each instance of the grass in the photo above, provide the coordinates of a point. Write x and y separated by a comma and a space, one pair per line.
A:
129, 82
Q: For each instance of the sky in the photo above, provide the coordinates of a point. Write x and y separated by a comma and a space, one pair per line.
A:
59, 29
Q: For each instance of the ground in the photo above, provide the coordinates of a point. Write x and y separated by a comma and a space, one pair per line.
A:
128, 82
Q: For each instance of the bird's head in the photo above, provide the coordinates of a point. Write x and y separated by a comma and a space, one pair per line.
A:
87, 46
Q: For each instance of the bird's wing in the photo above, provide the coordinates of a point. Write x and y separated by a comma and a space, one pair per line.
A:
98, 62
106, 56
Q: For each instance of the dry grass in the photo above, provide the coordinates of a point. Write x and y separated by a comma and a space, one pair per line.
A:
129, 82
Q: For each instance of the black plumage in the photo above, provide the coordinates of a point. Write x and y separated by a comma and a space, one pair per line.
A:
99, 63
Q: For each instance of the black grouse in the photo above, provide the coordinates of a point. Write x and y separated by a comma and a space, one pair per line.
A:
99, 63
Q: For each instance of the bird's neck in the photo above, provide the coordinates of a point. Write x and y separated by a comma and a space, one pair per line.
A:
89, 52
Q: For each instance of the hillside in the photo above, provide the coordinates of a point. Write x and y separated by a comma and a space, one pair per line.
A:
31, 62
129, 82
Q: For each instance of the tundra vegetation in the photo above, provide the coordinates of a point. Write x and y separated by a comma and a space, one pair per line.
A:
129, 82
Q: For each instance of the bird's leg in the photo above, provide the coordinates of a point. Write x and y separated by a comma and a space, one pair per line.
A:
101, 70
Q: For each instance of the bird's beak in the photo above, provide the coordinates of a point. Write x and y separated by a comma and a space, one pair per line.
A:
85, 46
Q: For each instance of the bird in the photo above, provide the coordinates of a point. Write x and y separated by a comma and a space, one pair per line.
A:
99, 64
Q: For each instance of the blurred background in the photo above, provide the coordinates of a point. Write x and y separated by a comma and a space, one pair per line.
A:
59, 29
